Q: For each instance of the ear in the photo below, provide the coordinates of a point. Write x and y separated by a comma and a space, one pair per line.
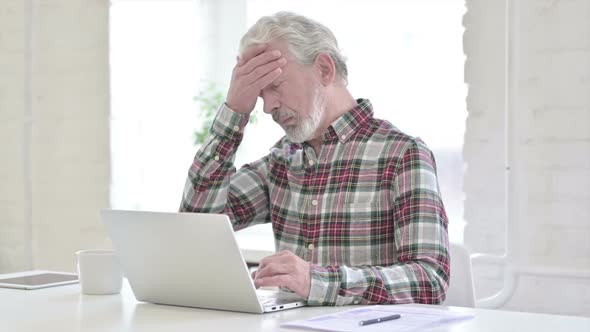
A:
326, 68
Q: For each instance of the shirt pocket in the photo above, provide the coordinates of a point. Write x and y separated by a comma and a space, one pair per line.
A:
359, 219
351, 234
359, 210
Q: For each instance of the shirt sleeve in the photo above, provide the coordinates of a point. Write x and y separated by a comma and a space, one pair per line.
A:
213, 184
421, 241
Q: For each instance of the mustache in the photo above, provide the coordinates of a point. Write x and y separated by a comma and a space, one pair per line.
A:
281, 115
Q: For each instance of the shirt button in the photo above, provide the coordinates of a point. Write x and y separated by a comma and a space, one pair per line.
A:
343, 137
311, 162
314, 202
310, 246
236, 128
216, 158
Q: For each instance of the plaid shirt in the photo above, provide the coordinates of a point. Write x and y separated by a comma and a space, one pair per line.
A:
367, 212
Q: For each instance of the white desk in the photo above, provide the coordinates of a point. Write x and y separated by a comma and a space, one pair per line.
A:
63, 309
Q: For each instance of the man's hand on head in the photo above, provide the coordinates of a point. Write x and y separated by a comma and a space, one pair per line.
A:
255, 69
284, 269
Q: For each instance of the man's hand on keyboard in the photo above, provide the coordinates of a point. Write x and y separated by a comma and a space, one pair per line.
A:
284, 269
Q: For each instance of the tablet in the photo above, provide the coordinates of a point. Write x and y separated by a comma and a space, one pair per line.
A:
37, 279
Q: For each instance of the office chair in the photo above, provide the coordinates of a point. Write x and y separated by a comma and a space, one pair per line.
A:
461, 292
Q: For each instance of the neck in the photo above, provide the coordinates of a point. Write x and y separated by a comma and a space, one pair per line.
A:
338, 102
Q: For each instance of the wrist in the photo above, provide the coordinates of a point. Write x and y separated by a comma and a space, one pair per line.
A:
235, 108
229, 123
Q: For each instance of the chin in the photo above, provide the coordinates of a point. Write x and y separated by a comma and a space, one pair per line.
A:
293, 140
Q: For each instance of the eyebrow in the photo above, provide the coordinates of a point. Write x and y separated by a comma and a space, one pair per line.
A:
272, 84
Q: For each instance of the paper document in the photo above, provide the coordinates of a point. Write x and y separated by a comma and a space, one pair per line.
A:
412, 318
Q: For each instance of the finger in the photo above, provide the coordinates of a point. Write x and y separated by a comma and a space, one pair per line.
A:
259, 60
274, 258
266, 260
279, 257
251, 52
273, 269
267, 79
285, 253
282, 280
284, 262
253, 271
260, 71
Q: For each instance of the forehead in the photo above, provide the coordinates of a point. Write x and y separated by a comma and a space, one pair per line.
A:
282, 46
293, 66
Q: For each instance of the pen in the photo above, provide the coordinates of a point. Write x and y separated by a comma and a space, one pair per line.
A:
378, 320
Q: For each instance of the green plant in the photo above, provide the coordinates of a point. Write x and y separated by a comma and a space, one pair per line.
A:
210, 98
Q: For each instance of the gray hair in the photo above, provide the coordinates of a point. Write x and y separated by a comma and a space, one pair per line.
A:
305, 38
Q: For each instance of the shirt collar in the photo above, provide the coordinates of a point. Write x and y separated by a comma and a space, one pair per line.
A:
346, 125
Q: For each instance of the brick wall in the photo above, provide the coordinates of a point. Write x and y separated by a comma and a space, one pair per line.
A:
54, 132
550, 86
14, 251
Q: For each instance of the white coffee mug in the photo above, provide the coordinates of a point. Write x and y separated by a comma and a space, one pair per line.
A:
99, 272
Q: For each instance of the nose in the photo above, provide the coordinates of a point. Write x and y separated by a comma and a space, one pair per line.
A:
270, 110
271, 103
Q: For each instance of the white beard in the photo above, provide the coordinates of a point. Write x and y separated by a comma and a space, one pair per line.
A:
304, 130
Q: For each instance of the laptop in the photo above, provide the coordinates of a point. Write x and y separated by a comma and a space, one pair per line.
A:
188, 259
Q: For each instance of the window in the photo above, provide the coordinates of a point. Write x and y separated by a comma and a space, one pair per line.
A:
155, 73
406, 56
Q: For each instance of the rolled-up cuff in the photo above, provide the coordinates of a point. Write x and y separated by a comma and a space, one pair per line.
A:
325, 284
229, 124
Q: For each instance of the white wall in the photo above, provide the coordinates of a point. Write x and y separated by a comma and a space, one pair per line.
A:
549, 92
54, 133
